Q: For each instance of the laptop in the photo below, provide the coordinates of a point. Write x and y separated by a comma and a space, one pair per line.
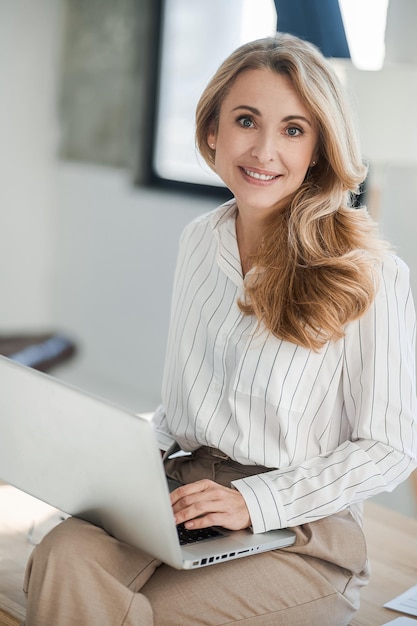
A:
93, 460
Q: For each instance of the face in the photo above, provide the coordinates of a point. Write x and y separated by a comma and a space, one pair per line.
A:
265, 141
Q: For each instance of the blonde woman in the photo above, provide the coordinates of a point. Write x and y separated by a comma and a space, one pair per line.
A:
289, 377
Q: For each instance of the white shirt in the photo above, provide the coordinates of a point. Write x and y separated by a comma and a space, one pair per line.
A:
340, 425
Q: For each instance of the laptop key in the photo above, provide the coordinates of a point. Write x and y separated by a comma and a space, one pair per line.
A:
186, 535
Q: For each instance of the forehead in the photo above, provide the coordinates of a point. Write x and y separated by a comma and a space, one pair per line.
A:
263, 88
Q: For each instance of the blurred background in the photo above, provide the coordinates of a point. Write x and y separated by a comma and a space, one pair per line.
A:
99, 172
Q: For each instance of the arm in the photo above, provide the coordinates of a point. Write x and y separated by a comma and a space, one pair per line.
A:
380, 407
163, 436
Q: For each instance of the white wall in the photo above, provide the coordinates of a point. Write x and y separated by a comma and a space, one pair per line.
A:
29, 44
115, 251
385, 101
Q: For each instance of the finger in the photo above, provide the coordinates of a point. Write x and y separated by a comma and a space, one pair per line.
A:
202, 497
195, 509
235, 520
190, 489
216, 505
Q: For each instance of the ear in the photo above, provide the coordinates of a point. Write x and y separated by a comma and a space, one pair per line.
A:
211, 139
315, 157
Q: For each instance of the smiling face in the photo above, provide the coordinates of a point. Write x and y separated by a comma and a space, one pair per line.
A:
265, 141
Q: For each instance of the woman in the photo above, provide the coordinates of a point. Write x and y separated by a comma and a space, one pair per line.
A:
289, 373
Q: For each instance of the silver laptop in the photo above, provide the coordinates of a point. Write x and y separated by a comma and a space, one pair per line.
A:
101, 463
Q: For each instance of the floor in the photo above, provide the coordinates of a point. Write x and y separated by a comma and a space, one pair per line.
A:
23, 522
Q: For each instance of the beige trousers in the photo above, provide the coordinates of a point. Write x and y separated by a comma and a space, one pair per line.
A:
80, 576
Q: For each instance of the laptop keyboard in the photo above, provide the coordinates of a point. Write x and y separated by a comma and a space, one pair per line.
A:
187, 536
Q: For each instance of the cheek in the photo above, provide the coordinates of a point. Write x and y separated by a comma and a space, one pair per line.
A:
230, 152
302, 162
221, 163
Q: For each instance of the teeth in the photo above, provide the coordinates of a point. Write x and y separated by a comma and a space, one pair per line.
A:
258, 176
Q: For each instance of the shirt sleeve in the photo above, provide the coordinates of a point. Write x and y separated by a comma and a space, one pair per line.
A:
159, 419
160, 425
378, 383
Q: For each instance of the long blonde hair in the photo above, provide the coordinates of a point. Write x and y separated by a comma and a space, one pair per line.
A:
318, 256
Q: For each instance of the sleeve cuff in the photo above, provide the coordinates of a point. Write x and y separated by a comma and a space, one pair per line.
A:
163, 437
164, 441
265, 508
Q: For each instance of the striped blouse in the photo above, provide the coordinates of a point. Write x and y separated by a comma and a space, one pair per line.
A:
335, 426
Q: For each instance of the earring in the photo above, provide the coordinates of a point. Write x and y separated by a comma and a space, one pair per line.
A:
212, 146
313, 164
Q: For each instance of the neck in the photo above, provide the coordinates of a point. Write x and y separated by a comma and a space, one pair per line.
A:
248, 236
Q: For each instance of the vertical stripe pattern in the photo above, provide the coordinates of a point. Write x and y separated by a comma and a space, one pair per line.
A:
335, 426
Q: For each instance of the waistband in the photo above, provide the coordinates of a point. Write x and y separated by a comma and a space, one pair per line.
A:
217, 454
207, 462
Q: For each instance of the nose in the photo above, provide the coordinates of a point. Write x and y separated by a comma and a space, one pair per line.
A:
265, 147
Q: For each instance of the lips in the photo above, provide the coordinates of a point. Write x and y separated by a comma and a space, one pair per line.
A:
259, 176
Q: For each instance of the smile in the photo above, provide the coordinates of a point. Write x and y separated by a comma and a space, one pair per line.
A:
258, 176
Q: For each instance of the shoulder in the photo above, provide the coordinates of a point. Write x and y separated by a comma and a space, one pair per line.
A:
209, 221
391, 261
393, 281
393, 268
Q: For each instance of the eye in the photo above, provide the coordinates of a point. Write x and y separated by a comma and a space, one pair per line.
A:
245, 121
294, 131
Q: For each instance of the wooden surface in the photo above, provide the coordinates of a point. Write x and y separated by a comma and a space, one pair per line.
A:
413, 483
391, 537
392, 549
19, 513
11, 614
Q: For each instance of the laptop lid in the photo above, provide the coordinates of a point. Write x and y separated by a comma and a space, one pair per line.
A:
101, 463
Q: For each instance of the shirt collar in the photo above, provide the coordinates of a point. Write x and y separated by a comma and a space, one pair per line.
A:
223, 222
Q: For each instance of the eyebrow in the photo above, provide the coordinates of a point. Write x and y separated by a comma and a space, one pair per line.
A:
248, 108
288, 118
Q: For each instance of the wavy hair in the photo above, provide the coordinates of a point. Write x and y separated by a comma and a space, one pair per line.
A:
317, 259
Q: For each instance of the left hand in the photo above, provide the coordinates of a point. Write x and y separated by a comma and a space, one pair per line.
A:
206, 503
